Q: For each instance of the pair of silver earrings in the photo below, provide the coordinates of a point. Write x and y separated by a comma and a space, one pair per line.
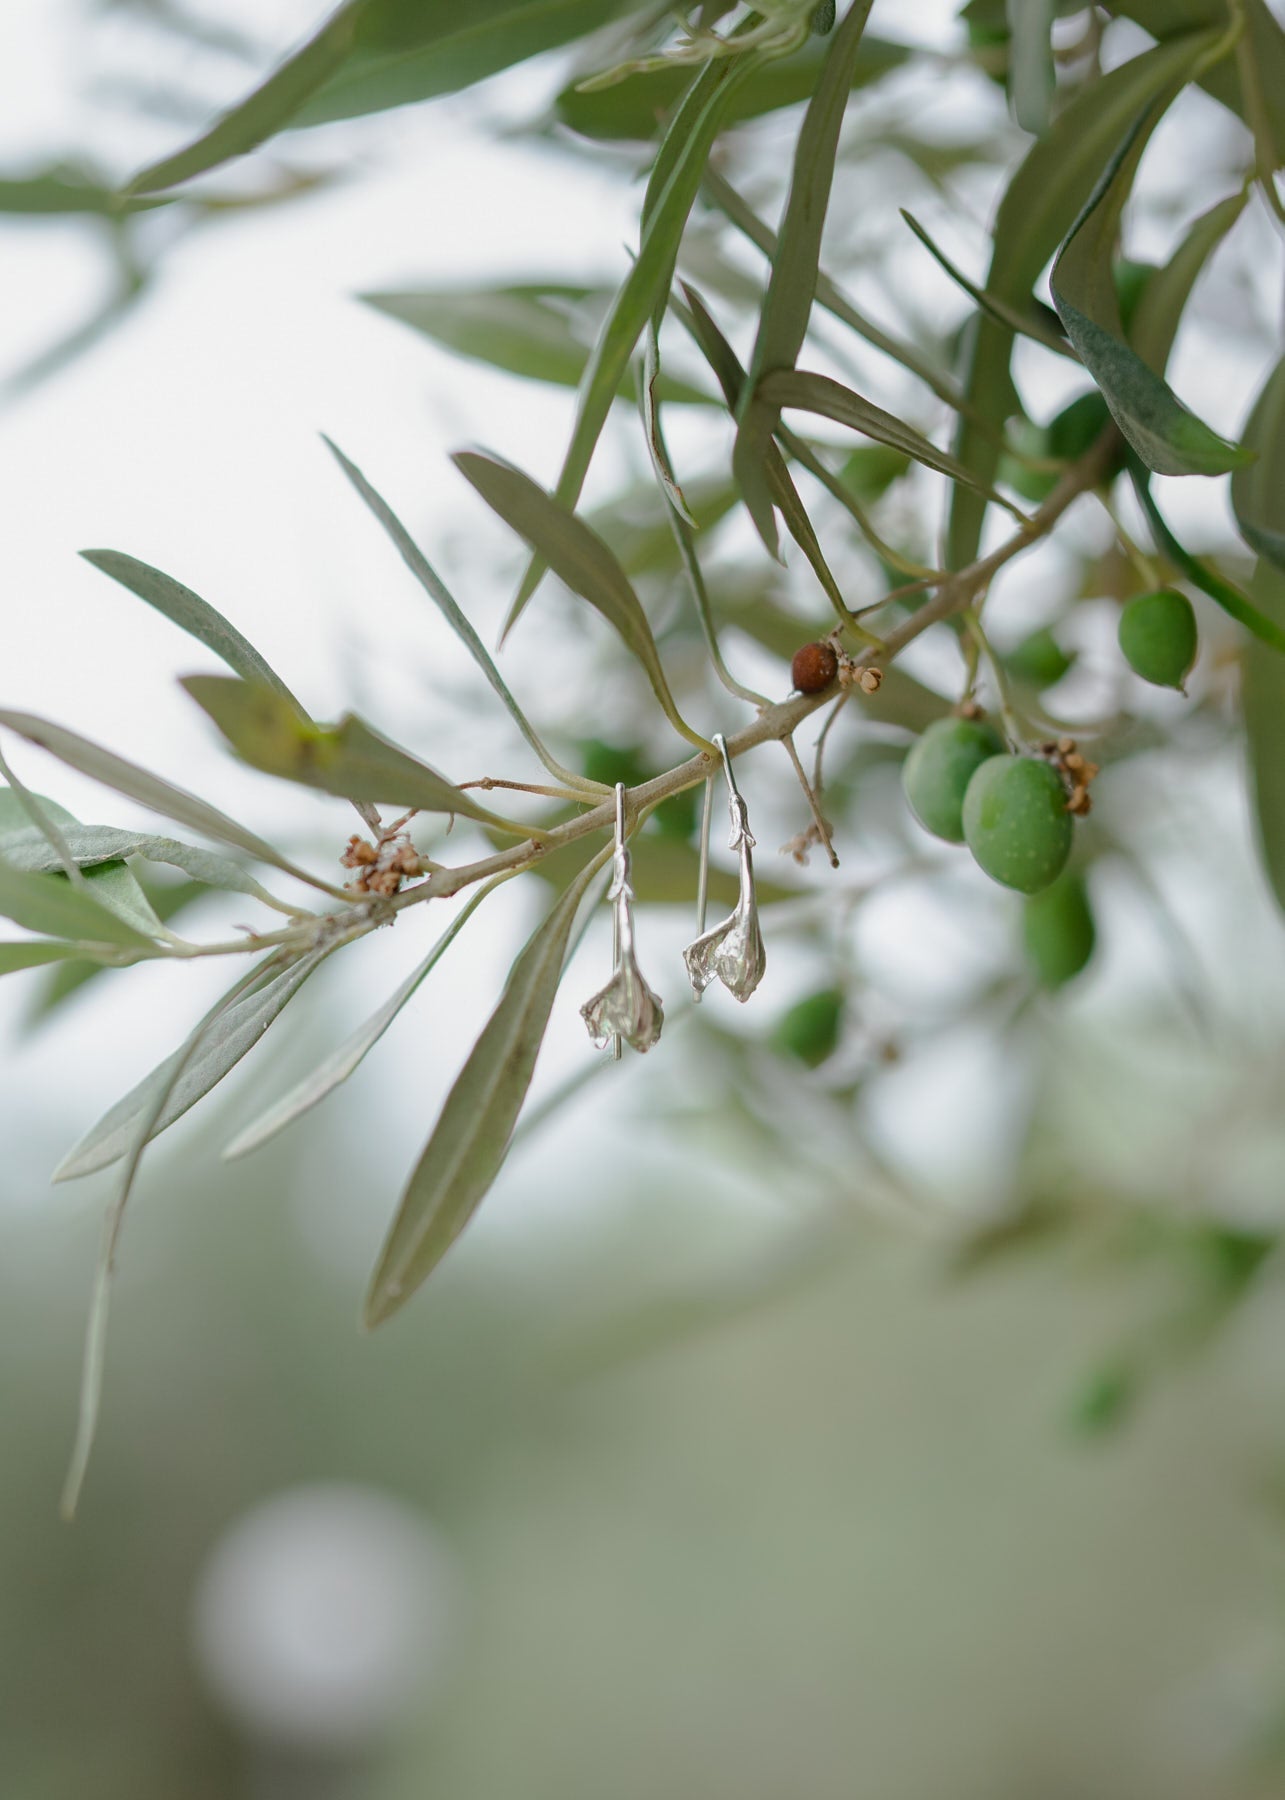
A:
732, 952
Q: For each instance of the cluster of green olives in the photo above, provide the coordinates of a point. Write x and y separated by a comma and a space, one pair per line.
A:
965, 786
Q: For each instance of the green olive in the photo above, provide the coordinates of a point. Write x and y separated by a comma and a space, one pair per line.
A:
1039, 659
939, 769
1016, 823
810, 1030
1058, 930
1158, 637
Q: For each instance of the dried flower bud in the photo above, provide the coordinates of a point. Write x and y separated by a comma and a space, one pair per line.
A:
871, 680
814, 667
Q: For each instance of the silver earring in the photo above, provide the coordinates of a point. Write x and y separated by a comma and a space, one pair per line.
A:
626, 1008
732, 951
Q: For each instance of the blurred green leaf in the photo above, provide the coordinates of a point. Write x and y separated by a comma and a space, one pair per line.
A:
349, 760
1030, 62
222, 1046
51, 905
1039, 207
440, 595
578, 556
787, 307
1263, 59
166, 900
271, 106
1036, 321
725, 197
30, 956
193, 615
60, 189
797, 389
1256, 491
409, 51
1159, 308
341, 1063
671, 191
529, 329
1167, 436
731, 378
469, 1142
635, 523
148, 790
635, 107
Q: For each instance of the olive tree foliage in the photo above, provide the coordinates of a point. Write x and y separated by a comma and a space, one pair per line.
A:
897, 472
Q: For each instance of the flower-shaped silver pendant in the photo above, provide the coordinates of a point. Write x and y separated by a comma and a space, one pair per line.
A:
732, 951
626, 1008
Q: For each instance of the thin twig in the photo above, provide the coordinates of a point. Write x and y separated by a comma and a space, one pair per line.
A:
822, 828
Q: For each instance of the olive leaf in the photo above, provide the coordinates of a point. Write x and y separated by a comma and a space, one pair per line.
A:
1159, 310
146, 1123
1167, 437
471, 1138
31, 956
731, 378
1263, 710
341, 1063
1256, 491
578, 556
440, 595
1031, 77
829, 295
262, 113
671, 190
151, 791
51, 905
532, 329
634, 107
787, 307
408, 51
93, 845
193, 615
1037, 322
236, 1032
799, 390
349, 760
1039, 207
42, 838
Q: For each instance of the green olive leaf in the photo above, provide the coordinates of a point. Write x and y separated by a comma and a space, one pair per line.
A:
723, 361
1166, 435
1256, 491
32, 955
1037, 322
442, 598
1030, 63
578, 556
538, 330
193, 615
1158, 313
634, 108
787, 307
1263, 709
828, 295
408, 51
349, 760
232, 1036
471, 1138
51, 905
271, 106
1038, 209
151, 791
341, 1063
671, 190
798, 390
